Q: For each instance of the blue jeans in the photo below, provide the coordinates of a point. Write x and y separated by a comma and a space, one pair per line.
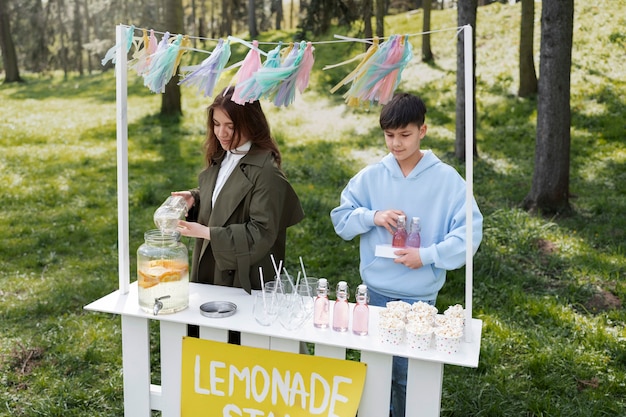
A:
400, 364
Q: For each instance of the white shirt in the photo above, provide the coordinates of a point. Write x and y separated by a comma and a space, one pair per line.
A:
230, 161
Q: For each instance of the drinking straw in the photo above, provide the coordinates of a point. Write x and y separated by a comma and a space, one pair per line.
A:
298, 280
262, 287
277, 269
293, 288
304, 271
261, 276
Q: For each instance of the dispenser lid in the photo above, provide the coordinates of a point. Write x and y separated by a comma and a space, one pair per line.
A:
218, 309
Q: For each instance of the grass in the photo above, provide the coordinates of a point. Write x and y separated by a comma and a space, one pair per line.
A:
547, 289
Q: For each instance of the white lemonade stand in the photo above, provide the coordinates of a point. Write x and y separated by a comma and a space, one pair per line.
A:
141, 396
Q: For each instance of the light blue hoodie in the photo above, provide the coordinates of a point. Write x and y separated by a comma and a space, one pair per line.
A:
434, 192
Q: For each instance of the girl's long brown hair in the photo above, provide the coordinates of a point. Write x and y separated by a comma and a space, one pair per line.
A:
249, 121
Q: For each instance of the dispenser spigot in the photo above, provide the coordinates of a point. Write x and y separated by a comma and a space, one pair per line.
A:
158, 305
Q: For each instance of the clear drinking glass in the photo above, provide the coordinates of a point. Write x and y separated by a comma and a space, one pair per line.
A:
292, 312
266, 307
307, 298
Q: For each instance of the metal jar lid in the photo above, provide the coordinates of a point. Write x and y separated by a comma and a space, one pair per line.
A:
218, 309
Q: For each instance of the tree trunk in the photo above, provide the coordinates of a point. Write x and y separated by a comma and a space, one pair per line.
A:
427, 53
367, 20
9, 56
466, 15
77, 39
227, 19
279, 14
252, 20
171, 99
87, 38
63, 36
527, 74
380, 18
549, 193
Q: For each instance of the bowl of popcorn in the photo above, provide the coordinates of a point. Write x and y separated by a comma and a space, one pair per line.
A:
391, 330
456, 311
448, 338
419, 335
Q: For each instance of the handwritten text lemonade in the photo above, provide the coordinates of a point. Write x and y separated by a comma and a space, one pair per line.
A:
288, 390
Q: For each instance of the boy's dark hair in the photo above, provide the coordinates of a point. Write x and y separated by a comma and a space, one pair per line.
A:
403, 109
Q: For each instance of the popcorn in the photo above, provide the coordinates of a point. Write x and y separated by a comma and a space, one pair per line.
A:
422, 307
418, 324
392, 314
400, 305
420, 317
419, 327
455, 311
441, 320
391, 323
449, 331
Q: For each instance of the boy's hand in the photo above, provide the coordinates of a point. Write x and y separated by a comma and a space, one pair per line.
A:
409, 257
388, 219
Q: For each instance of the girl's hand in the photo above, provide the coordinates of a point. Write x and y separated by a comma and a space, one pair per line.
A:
187, 196
193, 229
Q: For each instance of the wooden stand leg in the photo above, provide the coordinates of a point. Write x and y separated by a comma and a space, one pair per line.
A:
136, 365
171, 366
423, 388
377, 389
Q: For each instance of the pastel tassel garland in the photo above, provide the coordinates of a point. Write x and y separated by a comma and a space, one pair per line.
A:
205, 75
284, 71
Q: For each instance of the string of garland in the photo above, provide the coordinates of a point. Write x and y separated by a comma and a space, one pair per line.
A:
286, 68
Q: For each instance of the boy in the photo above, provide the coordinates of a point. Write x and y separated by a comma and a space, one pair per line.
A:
414, 183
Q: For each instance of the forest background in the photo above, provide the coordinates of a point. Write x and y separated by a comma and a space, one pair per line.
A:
548, 290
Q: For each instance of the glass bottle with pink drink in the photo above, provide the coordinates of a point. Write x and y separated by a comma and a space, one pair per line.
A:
341, 309
361, 312
321, 304
400, 235
414, 240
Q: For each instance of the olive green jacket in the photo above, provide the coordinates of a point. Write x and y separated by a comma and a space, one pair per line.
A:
248, 222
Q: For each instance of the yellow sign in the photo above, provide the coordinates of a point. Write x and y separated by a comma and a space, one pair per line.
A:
220, 379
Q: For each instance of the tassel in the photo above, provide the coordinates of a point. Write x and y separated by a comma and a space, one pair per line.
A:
162, 65
140, 57
111, 53
251, 90
250, 65
364, 62
205, 75
269, 79
297, 77
378, 80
